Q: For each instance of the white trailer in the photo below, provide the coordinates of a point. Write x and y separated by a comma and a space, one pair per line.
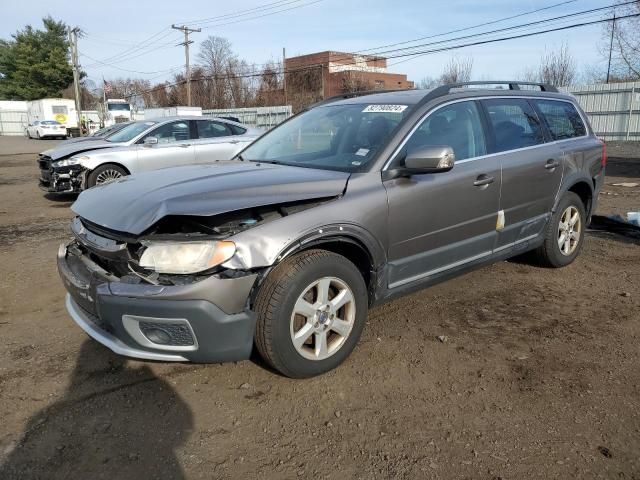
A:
151, 113
62, 110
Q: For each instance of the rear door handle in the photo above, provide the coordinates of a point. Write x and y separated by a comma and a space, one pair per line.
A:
483, 180
234, 141
551, 164
184, 145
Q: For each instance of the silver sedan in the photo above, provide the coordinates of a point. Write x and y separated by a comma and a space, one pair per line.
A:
144, 146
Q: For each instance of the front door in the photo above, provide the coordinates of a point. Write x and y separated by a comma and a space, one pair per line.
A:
440, 221
174, 147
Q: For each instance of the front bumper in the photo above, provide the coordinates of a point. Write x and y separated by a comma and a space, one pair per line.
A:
210, 314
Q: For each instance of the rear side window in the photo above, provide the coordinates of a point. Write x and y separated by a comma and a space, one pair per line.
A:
562, 118
210, 129
515, 123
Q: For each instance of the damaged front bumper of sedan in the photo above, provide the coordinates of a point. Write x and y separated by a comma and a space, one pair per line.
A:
54, 179
202, 319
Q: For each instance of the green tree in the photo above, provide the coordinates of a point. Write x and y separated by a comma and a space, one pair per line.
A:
35, 63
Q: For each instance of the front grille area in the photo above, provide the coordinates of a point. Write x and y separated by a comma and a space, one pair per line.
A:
175, 334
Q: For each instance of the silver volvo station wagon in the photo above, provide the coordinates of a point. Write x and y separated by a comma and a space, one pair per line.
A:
356, 201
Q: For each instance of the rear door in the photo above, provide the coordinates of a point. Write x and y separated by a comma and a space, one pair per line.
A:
216, 141
531, 167
174, 147
441, 221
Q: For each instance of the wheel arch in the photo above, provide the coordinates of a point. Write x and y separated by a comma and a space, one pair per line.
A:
581, 186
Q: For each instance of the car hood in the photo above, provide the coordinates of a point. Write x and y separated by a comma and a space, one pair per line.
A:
133, 204
65, 150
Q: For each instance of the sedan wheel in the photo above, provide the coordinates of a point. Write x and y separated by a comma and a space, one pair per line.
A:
322, 319
108, 175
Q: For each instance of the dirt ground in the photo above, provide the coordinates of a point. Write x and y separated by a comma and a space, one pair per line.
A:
538, 377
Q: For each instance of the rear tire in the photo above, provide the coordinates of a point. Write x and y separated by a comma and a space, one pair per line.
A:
564, 233
311, 311
105, 174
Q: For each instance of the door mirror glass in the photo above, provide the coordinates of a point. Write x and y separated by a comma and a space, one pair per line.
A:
149, 141
429, 159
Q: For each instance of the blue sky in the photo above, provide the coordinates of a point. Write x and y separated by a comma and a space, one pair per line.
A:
116, 27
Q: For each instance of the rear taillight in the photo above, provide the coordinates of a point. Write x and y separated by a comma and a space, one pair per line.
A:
604, 153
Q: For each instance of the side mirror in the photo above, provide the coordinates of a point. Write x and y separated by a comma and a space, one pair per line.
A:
429, 159
149, 141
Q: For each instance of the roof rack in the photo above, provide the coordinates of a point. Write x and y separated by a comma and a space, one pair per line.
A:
513, 85
440, 91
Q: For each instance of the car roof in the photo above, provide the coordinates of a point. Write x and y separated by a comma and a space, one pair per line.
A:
461, 90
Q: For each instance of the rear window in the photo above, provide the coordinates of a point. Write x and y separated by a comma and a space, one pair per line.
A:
562, 118
515, 123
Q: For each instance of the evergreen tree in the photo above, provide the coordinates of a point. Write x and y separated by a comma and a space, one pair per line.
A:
35, 63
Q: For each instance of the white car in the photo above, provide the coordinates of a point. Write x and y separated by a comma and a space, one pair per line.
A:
142, 146
46, 129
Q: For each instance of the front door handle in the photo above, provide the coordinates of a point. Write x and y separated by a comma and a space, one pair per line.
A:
483, 180
551, 164
234, 141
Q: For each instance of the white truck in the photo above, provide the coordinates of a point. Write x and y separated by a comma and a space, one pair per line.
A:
62, 110
116, 110
151, 113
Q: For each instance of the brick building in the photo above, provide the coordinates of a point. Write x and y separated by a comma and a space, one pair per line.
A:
339, 72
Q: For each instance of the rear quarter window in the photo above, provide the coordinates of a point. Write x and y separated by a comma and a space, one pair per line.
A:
562, 118
237, 130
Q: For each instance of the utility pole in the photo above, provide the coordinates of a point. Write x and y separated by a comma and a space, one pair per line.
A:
284, 74
73, 42
186, 44
613, 29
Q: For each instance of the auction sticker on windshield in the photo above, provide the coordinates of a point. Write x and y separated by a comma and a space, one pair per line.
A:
385, 109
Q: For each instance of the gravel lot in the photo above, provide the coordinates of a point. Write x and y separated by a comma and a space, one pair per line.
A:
538, 376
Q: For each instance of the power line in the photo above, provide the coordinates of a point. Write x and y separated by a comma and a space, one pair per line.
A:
125, 69
264, 15
239, 13
400, 55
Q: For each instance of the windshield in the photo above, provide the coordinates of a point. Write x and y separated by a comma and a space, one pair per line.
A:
333, 137
118, 106
130, 132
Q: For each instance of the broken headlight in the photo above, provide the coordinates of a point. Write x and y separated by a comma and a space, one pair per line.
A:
185, 257
67, 162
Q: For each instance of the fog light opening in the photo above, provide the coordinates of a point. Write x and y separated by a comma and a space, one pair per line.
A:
157, 335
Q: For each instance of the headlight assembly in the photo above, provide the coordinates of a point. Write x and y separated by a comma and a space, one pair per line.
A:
67, 162
185, 257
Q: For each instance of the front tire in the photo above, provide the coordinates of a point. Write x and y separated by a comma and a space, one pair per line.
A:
105, 174
311, 311
564, 235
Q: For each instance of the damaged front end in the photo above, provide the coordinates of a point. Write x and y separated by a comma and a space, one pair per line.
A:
61, 176
166, 294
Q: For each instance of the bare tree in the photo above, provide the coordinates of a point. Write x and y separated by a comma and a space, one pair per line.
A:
427, 83
557, 67
457, 70
216, 57
625, 58
354, 81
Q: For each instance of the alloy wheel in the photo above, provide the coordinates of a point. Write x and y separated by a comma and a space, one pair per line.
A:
107, 176
569, 230
322, 319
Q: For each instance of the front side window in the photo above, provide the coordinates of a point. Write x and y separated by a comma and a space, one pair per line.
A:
210, 129
56, 109
343, 137
170, 133
562, 118
123, 107
457, 126
130, 132
515, 123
